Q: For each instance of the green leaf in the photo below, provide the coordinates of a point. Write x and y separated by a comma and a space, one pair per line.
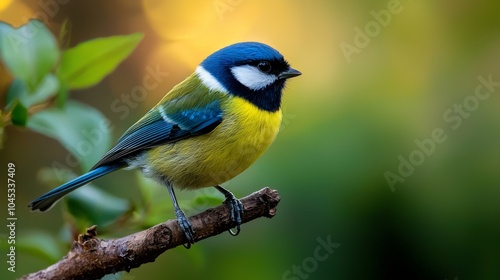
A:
29, 52
65, 34
47, 88
81, 129
89, 62
18, 90
96, 206
40, 244
19, 115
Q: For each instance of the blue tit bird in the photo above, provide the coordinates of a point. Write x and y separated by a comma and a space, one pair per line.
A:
205, 131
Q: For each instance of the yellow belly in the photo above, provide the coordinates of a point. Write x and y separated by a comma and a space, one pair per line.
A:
216, 157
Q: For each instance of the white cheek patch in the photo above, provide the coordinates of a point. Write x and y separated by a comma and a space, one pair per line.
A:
252, 77
209, 81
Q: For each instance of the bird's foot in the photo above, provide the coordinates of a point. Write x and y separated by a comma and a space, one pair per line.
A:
236, 210
185, 227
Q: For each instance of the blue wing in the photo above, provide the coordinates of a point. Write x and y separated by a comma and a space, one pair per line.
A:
159, 127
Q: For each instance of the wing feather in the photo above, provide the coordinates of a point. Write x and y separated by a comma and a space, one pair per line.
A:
176, 117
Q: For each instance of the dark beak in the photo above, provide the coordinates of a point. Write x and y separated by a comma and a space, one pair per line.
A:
290, 73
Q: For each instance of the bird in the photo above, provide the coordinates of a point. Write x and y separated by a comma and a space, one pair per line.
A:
205, 131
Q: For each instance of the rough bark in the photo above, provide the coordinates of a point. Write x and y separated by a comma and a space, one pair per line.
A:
92, 258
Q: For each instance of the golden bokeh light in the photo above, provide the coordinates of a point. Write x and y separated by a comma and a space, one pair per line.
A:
206, 26
15, 13
4, 4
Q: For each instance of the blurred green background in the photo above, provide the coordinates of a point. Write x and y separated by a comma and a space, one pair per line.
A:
347, 120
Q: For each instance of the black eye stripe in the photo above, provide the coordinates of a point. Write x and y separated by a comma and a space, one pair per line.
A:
276, 66
264, 66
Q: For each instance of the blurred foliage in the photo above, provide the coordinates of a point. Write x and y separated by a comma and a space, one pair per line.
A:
42, 73
345, 125
37, 98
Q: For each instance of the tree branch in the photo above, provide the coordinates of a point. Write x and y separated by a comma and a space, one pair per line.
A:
91, 257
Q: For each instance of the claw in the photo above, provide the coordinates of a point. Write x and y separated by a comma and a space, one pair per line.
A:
234, 233
235, 208
186, 227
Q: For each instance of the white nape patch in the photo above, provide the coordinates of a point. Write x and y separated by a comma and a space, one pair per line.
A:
208, 80
252, 77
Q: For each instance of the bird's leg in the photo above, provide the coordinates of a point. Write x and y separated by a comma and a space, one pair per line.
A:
235, 207
181, 218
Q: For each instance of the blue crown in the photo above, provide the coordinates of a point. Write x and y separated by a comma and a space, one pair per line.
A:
238, 54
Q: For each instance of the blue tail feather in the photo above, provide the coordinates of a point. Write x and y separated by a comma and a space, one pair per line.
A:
47, 200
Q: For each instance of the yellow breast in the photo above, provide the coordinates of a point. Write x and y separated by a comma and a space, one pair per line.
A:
216, 157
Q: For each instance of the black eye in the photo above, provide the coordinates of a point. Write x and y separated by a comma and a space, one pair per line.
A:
264, 66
